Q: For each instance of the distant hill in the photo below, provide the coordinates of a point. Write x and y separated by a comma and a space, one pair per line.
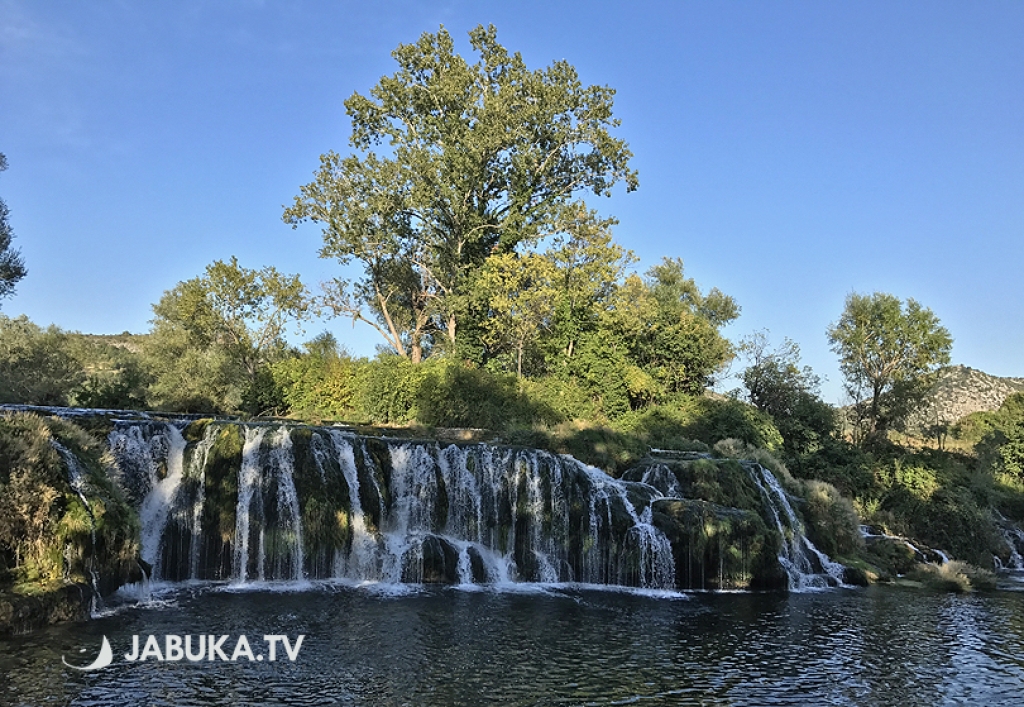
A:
961, 390
126, 340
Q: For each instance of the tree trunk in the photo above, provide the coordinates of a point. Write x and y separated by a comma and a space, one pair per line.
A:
451, 329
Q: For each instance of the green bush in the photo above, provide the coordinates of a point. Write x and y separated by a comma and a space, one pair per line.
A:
715, 419
45, 529
319, 383
957, 577
386, 388
37, 366
675, 425
831, 521
455, 395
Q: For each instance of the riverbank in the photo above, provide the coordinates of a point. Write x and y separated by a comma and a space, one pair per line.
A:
31, 607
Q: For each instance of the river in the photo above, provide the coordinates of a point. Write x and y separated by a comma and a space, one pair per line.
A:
540, 645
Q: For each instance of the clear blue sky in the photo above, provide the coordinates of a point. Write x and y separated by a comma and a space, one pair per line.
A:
789, 152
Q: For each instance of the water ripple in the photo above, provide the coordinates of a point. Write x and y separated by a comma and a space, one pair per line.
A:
566, 645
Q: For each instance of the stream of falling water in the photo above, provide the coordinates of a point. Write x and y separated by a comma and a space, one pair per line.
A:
458, 514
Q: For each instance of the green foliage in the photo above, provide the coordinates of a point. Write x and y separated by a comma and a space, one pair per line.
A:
599, 367
1011, 452
663, 427
387, 389
778, 386
670, 330
598, 445
479, 158
566, 396
318, 383
956, 577
830, 519
214, 336
714, 419
12, 267
690, 424
935, 498
36, 365
724, 482
53, 367
999, 440
45, 530
520, 302
885, 352
116, 376
453, 395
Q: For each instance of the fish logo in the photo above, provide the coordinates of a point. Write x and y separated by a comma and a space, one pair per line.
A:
105, 658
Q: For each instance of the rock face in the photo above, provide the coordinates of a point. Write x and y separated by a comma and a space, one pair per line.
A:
959, 391
21, 614
251, 502
717, 547
731, 525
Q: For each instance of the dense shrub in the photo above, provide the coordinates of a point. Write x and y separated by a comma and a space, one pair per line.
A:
831, 521
319, 383
386, 389
36, 365
454, 395
45, 529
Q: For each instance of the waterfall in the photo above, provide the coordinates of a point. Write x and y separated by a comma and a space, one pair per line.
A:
152, 453
1014, 539
76, 478
361, 562
193, 514
807, 566
260, 475
249, 477
251, 502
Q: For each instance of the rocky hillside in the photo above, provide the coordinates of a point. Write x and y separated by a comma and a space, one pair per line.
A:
961, 390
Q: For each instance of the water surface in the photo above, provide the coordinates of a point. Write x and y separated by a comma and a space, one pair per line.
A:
541, 645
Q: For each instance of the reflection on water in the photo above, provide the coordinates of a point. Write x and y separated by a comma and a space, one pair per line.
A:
547, 646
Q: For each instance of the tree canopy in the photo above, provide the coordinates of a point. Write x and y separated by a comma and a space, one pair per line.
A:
885, 349
778, 385
456, 162
214, 335
12, 267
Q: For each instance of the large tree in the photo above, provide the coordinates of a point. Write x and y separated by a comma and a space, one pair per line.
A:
214, 336
778, 385
671, 329
886, 348
12, 267
454, 162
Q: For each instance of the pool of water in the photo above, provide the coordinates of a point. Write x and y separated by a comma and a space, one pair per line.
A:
541, 645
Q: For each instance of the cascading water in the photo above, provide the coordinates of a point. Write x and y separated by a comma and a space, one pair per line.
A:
1014, 539
806, 566
251, 502
192, 513
362, 560
383, 510
76, 478
153, 451
261, 475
